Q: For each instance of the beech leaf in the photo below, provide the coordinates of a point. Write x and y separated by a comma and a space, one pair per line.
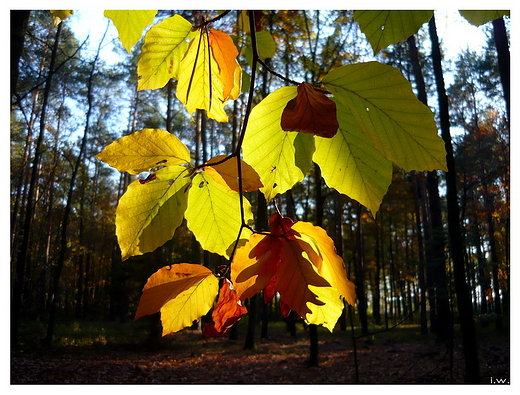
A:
384, 106
182, 292
213, 214
350, 164
130, 24
481, 17
229, 309
148, 214
144, 150
164, 46
298, 261
226, 173
385, 27
209, 74
280, 158
310, 112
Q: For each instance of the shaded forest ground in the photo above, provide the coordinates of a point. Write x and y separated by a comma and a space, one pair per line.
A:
114, 353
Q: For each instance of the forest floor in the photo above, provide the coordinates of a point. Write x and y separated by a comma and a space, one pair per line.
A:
399, 356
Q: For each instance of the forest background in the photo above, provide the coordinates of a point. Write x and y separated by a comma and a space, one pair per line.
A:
95, 285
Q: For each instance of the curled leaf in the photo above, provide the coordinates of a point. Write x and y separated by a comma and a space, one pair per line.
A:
229, 309
310, 112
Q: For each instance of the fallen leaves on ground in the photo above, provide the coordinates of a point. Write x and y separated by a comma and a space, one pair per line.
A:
187, 358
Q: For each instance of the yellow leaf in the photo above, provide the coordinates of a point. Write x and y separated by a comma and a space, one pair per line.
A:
182, 292
226, 173
323, 255
144, 150
164, 46
60, 15
213, 214
328, 313
130, 24
148, 214
206, 82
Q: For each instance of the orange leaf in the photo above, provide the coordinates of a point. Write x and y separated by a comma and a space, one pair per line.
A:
310, 112
320, 249
254, 264
226, 173
229, 309
225, 53
294, 275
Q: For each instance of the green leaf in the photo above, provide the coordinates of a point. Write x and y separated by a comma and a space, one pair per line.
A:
350, 164
266, 44
383, 28
144, 150
280, 158
213, 214
130, 24
384, 106
164, 46
148, 214
481, 17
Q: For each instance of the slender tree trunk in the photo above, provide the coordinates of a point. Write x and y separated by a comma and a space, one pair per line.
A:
504, 60
463, 297
360, 274
22, 258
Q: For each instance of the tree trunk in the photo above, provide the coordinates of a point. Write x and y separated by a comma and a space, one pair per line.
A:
504, 60
360, 274
465, 308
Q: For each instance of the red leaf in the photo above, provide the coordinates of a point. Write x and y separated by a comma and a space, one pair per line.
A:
284, 309
228, 310
310, 112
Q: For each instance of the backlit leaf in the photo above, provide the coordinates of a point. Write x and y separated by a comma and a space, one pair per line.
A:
226, 173
229, 309
130, 24
298, 261
350, 164
387, 111
148, 214
205, 81
324, 257
330, 309
144, 150
164, 46
60, 15
386, 27
310, 112
481, 17
182, 293
280, 158
225, 53
213, 214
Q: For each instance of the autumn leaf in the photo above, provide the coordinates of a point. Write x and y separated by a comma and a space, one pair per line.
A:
148, 214
301, 261
182, 292
385, 27
144, 150
229, 309
209, 74
130, 24
384, 106
310, 112
226, 173
60, 15
280, 158
213, 214
350, 164
164, 46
